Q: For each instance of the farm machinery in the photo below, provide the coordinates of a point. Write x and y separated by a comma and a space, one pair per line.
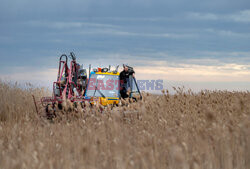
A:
101, 86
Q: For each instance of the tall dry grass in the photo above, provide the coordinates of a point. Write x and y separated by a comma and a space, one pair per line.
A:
208, 130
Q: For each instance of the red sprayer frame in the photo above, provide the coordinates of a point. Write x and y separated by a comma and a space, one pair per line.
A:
67, 81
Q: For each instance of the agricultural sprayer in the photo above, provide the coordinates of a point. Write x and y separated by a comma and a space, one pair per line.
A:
100, 86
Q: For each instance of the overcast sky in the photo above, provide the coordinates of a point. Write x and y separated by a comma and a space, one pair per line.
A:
199, 44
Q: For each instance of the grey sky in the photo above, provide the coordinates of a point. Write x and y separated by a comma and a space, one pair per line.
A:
143, 33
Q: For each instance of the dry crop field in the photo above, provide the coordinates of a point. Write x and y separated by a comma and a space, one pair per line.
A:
206, 130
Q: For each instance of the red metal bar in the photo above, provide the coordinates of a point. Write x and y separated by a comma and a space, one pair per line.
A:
35, 104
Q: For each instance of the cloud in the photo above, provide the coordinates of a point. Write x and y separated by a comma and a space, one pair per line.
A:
206, 58
67, 25
24, 74
240, 16
117, 32
228, 33
197, 73
210, 43
83, 28
134, 19
209, 69
202, 16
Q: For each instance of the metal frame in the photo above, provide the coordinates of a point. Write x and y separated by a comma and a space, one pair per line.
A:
66, 90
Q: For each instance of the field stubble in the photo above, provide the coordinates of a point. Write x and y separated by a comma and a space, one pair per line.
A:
209, 129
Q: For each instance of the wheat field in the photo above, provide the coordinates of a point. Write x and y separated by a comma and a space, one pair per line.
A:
185, 130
